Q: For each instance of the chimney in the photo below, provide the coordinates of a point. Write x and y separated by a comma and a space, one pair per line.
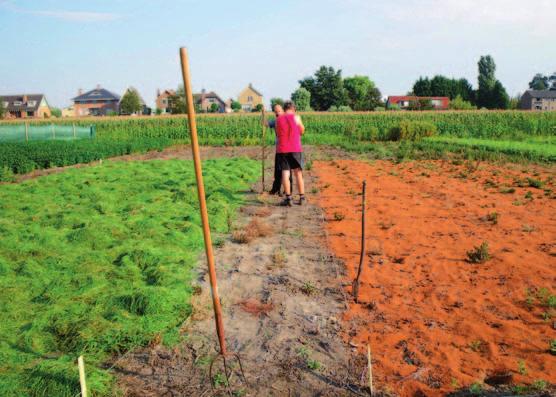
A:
203, 91
24, 98
80, 91
157, 92
98, 87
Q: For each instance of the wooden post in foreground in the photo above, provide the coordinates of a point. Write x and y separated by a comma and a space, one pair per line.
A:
26, 132
370, 365
362, 257
82, 381
202, 200
263, 146
74, 134
53, 132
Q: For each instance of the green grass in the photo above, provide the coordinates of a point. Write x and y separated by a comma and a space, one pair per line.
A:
99, 260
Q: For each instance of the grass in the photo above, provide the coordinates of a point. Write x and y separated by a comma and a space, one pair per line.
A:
99, 260
479, 254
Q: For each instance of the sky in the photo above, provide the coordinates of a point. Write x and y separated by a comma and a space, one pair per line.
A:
57, 47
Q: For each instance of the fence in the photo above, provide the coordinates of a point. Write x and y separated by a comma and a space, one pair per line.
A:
41, 132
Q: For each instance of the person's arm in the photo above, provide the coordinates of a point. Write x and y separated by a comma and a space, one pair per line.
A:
271, 123
300, 124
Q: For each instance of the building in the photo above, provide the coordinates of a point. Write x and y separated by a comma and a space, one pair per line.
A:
25, 106
205, 100
162, 100
97, 102
405, 102
249, 98
538, 100
145, 110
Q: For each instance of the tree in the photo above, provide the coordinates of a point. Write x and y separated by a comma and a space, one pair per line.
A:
176, 103
258, 107
214, 108
487, 80
443, 86
236, 106
130, 103
302, 99
552, 81
276, 101
362, 94
458, 103
158, 111
500, 98
56, 112
341, 108
326, 88
2, 109
539, 82
422, 87
491, 93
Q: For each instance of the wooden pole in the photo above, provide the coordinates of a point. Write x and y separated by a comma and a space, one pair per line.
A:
82, 381
263, 146
26, 132
53, 133
202, 200
74, 135
370, 365
362, 257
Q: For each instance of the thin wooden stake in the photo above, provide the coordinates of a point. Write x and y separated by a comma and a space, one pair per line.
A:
26, 132
362, 257
370, 365
263, 145
74, 135
82, 381
53, 133
202, 200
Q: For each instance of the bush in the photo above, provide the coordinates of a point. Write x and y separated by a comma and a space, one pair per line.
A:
412, 130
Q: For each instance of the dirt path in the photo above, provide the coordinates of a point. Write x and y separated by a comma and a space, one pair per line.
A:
282, 303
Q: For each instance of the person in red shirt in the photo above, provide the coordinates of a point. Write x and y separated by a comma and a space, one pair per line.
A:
289, 129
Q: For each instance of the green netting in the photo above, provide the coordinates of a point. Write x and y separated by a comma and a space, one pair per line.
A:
43, 132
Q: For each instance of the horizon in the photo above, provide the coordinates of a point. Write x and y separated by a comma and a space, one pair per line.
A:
63, 48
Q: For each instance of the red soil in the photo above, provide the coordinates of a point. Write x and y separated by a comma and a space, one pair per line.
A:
435, 321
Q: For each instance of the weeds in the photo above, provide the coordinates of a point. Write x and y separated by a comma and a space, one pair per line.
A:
479, 254
308, 288
534, 183
476, 345
476, 388
552, 347
493, 217
521, 368
338, 216
507, 190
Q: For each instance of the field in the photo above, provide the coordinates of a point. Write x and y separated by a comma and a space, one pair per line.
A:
508, 135
435, 319
458, 288
99, 260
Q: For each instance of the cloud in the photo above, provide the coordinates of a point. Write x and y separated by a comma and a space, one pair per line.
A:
75, 16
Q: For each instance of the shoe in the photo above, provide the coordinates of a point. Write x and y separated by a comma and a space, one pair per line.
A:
287, 202
302, 200
273, 192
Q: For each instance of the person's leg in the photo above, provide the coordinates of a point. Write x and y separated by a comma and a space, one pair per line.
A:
277, 184
286, 182
299, 180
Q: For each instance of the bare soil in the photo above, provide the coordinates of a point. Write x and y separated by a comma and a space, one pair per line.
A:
437, 322
282, 312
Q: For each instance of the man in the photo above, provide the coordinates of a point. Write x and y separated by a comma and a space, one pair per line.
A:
277, 184
289, 129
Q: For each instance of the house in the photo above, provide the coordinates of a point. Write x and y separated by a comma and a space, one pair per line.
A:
205, 100
145, 110
405, 102
249, 98
96, 102
538, 100
26, 106
162, 100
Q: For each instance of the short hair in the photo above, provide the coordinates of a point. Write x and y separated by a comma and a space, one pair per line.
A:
289, 105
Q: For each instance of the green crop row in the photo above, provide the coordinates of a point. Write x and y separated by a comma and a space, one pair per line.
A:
235, 128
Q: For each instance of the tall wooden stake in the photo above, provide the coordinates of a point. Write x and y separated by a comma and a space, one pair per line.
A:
26, 132
74, 134
82, 381
202, 200
362, 257
263, 146
370, 365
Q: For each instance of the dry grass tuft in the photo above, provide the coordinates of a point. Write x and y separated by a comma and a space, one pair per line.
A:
253, 230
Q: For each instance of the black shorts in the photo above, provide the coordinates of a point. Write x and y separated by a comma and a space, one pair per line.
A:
290, 161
